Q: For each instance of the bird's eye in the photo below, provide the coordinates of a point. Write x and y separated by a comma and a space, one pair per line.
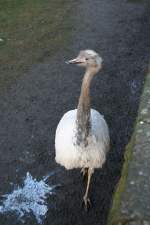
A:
86, 59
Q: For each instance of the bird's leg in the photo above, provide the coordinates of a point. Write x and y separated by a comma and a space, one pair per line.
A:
84, 172
86, 199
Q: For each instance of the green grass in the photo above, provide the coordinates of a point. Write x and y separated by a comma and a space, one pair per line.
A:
31, 30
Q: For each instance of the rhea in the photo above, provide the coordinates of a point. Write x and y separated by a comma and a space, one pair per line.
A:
82, 135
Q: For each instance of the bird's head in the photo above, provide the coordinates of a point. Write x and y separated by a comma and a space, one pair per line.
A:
88, 59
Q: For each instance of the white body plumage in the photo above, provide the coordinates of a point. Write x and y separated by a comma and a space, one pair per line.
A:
69, 154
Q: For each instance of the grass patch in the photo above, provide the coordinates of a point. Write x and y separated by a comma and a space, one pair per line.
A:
31, 30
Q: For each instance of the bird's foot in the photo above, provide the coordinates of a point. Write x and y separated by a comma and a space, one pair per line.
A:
86, 203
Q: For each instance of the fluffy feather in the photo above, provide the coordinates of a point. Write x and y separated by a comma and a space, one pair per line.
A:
70, 155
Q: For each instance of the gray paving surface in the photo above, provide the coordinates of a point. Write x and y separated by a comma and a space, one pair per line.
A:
31, 108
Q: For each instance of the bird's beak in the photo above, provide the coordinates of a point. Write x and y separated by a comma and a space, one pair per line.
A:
77, 60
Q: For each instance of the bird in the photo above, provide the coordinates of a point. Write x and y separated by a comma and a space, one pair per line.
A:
82, 136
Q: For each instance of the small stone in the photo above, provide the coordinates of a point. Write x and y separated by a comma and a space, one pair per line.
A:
141, 122
1, 39
140, 173
144, 111
132, 182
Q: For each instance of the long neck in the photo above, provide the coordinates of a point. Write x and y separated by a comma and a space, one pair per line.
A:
83, 110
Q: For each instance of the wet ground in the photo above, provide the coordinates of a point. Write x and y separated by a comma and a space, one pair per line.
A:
32, 105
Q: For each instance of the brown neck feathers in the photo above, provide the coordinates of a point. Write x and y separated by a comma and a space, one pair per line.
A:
83, 110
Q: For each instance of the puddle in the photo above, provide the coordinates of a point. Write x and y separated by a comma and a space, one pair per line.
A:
29, 199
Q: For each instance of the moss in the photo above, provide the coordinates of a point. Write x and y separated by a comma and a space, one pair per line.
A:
114, 216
